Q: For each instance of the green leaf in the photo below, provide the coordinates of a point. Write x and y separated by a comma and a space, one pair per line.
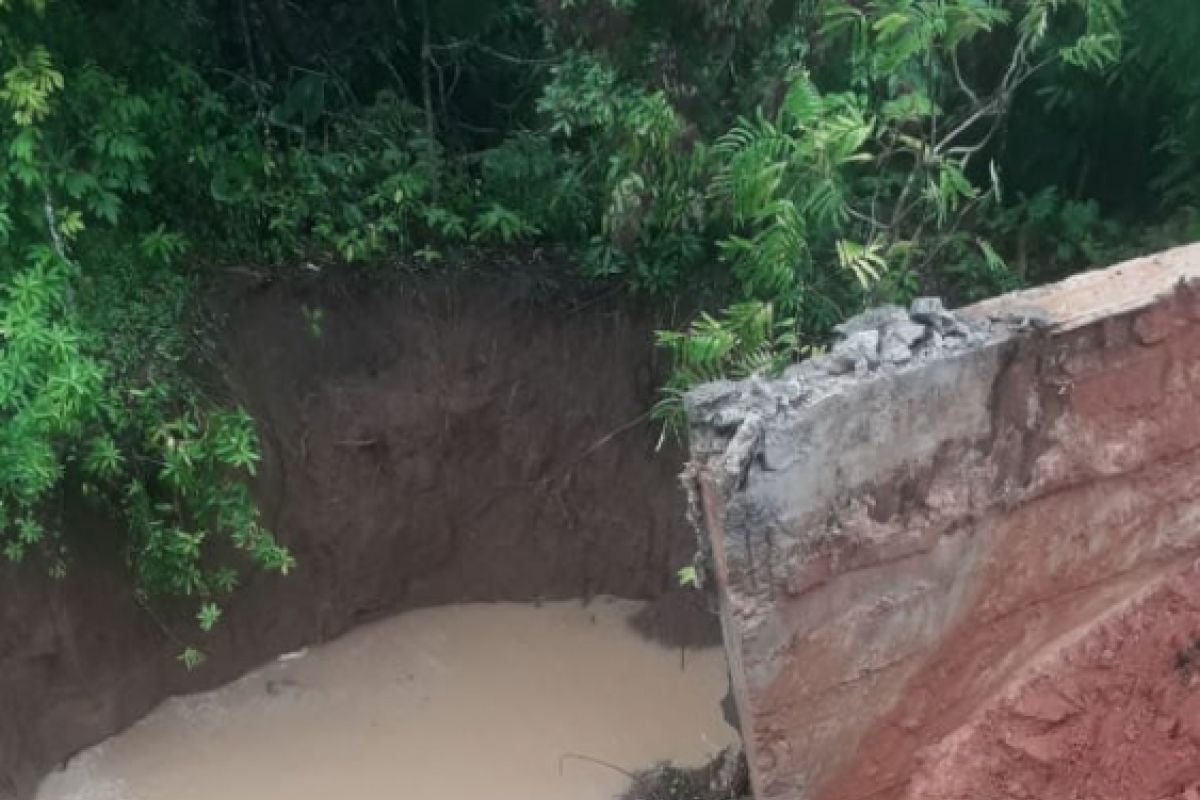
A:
993, 259
191, 658
103, 458
688, 576
208, 616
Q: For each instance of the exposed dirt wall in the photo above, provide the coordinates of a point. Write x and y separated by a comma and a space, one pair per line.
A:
428, 447
906, 548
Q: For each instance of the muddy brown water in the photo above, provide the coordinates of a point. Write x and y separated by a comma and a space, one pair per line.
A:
467, 702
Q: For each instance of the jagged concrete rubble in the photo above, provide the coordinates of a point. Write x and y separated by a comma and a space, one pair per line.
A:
878, 341
890, 335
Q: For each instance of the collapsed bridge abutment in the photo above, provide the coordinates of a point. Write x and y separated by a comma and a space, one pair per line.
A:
956, 556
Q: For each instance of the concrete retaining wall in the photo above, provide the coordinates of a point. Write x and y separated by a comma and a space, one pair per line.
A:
911, 532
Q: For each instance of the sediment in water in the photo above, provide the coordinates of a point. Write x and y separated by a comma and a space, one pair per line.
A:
497, 701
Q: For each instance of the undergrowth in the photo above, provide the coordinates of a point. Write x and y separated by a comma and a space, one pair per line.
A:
787, 161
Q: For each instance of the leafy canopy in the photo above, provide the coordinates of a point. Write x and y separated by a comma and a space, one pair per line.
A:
770, 165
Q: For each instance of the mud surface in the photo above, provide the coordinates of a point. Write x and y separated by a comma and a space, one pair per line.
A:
497, 701
426, 447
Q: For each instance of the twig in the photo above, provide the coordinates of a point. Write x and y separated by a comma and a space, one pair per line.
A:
962, 84
56, 240
608, 437
597, 761
52, 222
991, 107
867, 219
386, 63
431, 144
470, 44
251, 62
515, 59
170, 634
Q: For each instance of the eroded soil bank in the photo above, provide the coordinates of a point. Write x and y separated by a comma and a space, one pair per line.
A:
496, 701
428, 446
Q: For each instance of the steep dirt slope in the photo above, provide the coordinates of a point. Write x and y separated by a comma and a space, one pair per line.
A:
429, 446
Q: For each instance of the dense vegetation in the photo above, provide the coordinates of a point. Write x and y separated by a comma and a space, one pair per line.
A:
778, 162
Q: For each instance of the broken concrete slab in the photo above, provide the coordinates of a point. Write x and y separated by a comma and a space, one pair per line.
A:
894, 546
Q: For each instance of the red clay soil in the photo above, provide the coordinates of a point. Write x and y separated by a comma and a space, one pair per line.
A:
1112, 714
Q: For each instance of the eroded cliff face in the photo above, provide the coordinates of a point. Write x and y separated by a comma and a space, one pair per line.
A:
916, 545
429, 446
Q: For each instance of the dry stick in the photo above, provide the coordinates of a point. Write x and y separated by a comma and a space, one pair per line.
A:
597, 761
56, 240
427, 88
608, 437
441, 79
962, 83
603, 440
483, 48
170, 634
247, 45
251, 62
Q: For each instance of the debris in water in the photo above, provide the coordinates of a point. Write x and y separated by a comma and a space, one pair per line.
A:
724, 778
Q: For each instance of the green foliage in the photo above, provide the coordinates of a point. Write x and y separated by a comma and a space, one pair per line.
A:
1132, 141
747, 339
314, 321
647, 176
51, 390
859, 180
788, 161
689, 576
191, 658
28, 85
94, 403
